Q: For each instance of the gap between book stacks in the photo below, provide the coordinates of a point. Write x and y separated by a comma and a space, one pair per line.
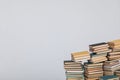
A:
101, 62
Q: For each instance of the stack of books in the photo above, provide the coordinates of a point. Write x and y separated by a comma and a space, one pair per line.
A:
111, 66
117, 72
115, 45
93, 71
96, 58
99, 48
99, 52
74, 70
103, 60
83, 56
109, 77
113, 55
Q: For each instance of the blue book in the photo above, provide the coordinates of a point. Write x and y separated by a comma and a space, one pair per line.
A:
109, 77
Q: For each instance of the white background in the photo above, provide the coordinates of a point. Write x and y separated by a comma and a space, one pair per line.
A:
36, 36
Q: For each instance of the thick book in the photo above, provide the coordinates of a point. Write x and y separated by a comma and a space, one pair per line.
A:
82, 53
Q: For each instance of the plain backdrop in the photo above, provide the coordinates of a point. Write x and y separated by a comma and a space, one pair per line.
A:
36, 36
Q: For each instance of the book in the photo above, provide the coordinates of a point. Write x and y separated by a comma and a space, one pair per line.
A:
109, 77
80, 56
98, 45
108, 72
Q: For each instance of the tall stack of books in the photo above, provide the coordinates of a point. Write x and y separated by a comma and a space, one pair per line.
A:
74, 70
83, 56
99, 52
109, 77
111, 66
115, 47
93, 71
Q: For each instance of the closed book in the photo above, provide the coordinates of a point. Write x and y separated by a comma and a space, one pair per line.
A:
113, 66
114, 56
98, 45
82, 53
108, 73
72, 65
94, 76
109, 77
91, 78
95, 60
91, 64
75, 79
107, 51
114, 53
111, 62
75, 71
68, 62
95, 72
115, 49
74, 75
83, 57
99, 48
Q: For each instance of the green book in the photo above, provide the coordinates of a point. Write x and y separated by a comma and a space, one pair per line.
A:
109, 77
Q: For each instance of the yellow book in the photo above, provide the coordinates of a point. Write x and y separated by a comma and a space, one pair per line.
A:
80, 53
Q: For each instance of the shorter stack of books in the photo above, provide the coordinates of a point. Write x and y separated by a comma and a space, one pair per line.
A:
99, 52
93, 71
115, 45
74, 70
113, 55
109, 77
99, 48
80, 56
111, 66
117, 72
96, 58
